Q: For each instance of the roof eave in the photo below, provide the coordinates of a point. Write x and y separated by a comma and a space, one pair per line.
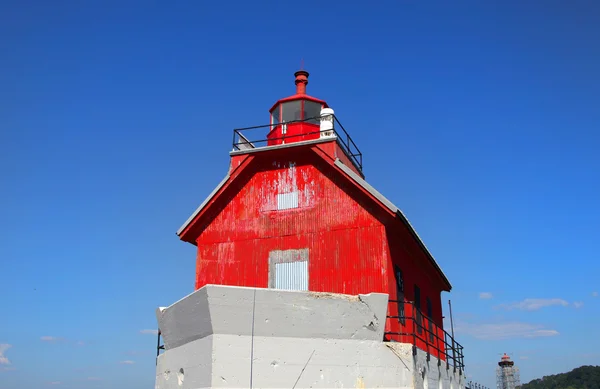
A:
204, 203
394, 209
402, 217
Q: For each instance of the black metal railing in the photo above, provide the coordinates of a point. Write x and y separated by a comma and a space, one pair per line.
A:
422, 332
243, 138
474, 385
158, 346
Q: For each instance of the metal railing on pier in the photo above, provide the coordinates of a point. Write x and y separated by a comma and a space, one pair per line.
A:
423, 333
474, 385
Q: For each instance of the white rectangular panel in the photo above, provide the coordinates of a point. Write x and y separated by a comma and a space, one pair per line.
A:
287, 200
291, 275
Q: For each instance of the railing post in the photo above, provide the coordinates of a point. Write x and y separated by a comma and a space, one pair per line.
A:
157, 347
454, 353
446, 346
414, 331
158, 344
427, 340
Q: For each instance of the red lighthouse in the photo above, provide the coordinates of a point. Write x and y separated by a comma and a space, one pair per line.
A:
295, 212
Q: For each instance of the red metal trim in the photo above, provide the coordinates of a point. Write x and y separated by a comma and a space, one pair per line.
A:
323, 153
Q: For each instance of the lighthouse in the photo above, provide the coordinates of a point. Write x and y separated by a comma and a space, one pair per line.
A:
507, 374
306, 275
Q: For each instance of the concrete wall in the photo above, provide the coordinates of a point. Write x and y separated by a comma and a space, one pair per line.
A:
226, 337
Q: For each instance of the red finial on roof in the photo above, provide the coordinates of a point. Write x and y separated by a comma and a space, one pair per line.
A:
301, 81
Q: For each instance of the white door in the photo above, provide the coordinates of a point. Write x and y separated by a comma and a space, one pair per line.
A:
288, 269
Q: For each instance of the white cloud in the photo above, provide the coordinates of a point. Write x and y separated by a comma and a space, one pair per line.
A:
594, 294
50, 339
578, 304
485, 295
539, 333
508, 330
127, 362
81, 343
534, 304
523, 357
151, 332
3, 359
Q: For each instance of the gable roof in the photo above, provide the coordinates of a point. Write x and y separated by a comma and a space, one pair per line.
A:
355, 179
204, 203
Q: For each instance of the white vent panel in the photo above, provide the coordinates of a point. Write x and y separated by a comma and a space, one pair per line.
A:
287, 200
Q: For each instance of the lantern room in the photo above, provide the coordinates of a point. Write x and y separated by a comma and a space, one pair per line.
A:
296, 118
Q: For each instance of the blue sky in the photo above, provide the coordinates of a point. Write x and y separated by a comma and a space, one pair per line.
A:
479, 119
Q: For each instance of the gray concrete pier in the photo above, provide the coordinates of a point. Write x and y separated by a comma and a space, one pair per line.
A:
234, 337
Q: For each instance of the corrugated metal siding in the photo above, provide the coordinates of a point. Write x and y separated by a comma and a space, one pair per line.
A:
350, 249
347, 244
337, 263
254, 214
348, 261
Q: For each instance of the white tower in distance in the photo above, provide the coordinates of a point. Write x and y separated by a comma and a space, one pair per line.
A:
507, 374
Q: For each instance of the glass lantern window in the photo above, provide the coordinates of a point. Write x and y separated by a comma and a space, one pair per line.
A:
312, 111
292, 110
275, 115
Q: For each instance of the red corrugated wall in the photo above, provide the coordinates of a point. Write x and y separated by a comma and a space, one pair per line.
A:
417, 270
352, 242
347, 244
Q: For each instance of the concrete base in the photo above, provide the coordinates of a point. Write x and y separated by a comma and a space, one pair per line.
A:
228, 337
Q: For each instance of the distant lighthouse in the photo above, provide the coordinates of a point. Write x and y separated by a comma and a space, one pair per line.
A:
507, 374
